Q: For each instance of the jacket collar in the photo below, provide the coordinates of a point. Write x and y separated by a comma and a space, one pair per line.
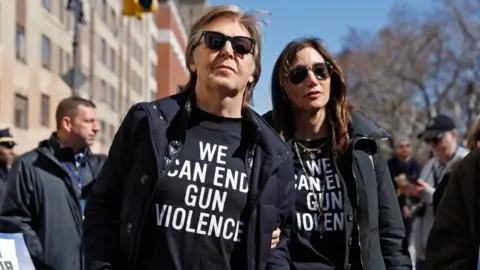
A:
256, 128
362, 126
62, 153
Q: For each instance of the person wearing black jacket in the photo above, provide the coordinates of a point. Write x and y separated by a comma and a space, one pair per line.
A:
6, 156
347, 214
196, 180
404, 167
454, 240
47, 186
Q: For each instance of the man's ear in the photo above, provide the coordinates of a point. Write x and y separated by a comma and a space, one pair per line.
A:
454, 133
66, 123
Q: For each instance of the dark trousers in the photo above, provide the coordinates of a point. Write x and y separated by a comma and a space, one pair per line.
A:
408, 223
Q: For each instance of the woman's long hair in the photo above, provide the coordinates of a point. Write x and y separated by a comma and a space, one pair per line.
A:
473, 135
337, 108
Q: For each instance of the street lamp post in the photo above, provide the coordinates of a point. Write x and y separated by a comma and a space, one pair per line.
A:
76, 7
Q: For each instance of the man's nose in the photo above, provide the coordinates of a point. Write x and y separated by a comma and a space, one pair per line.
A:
227, 50
96, 127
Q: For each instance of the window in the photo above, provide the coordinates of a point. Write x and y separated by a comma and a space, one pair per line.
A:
0, 23
47, 4
114, 22
69, 20
102, 131
103, 10
112, 97
61, 64
103, 51
153, 70
154, 43
20, 43
140, 55
112, 60
21, 112
46, 52
103, 90
45, 111
62, 11
112, 131
68, 60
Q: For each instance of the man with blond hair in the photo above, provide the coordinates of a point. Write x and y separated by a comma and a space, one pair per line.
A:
197, 180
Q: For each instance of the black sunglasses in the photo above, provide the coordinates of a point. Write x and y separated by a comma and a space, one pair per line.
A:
434, 140
216, 41
321, 70
7, 145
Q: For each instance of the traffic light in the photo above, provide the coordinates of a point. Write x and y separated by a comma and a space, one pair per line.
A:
136, 8
132, 8
148, 5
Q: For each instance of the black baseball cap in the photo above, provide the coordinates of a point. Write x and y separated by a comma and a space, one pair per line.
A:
438, 125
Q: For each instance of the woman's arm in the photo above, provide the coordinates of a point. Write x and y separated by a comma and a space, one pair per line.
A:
279, 258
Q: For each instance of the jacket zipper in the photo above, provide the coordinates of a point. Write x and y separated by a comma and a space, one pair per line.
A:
358, 223
356, 189
136, 246
248, 167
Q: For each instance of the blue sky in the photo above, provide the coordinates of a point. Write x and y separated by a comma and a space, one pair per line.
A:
327, 19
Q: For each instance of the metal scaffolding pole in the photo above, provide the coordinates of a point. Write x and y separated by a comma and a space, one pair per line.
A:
76, 7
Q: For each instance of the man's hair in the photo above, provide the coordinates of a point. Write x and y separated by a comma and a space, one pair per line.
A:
252, 20
69, 107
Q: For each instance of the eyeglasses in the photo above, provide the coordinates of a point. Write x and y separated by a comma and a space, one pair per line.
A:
216, 41
7, 145
434, 140
321, 70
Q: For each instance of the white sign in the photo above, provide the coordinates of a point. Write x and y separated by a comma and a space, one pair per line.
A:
14, 254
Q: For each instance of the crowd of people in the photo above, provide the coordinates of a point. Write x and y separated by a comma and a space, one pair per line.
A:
199, 180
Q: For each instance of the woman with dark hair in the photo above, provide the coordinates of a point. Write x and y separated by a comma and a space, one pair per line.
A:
347, 214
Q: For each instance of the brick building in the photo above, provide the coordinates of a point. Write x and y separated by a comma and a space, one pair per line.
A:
124, 61
173, 20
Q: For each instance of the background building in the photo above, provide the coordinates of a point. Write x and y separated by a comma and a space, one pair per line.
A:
124, 60
173, 20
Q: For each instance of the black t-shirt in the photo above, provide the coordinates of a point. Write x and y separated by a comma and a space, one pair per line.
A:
310, 248
197, 217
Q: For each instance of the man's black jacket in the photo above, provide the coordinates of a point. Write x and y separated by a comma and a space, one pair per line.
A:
454, 239
148, 140
3, 180
41, 201
375, 204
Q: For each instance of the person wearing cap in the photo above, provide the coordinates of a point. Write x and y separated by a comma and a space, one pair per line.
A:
6, 155
454, 240
441, 136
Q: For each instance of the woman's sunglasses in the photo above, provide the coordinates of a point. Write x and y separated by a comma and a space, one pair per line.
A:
321, 70
216, 41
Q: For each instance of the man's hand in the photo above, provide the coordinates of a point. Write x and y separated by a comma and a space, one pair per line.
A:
414, 190
406, 212
275, 238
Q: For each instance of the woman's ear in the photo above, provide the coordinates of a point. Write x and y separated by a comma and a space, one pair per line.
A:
193, 61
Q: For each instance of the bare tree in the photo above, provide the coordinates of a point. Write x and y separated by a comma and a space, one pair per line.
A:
417, 66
